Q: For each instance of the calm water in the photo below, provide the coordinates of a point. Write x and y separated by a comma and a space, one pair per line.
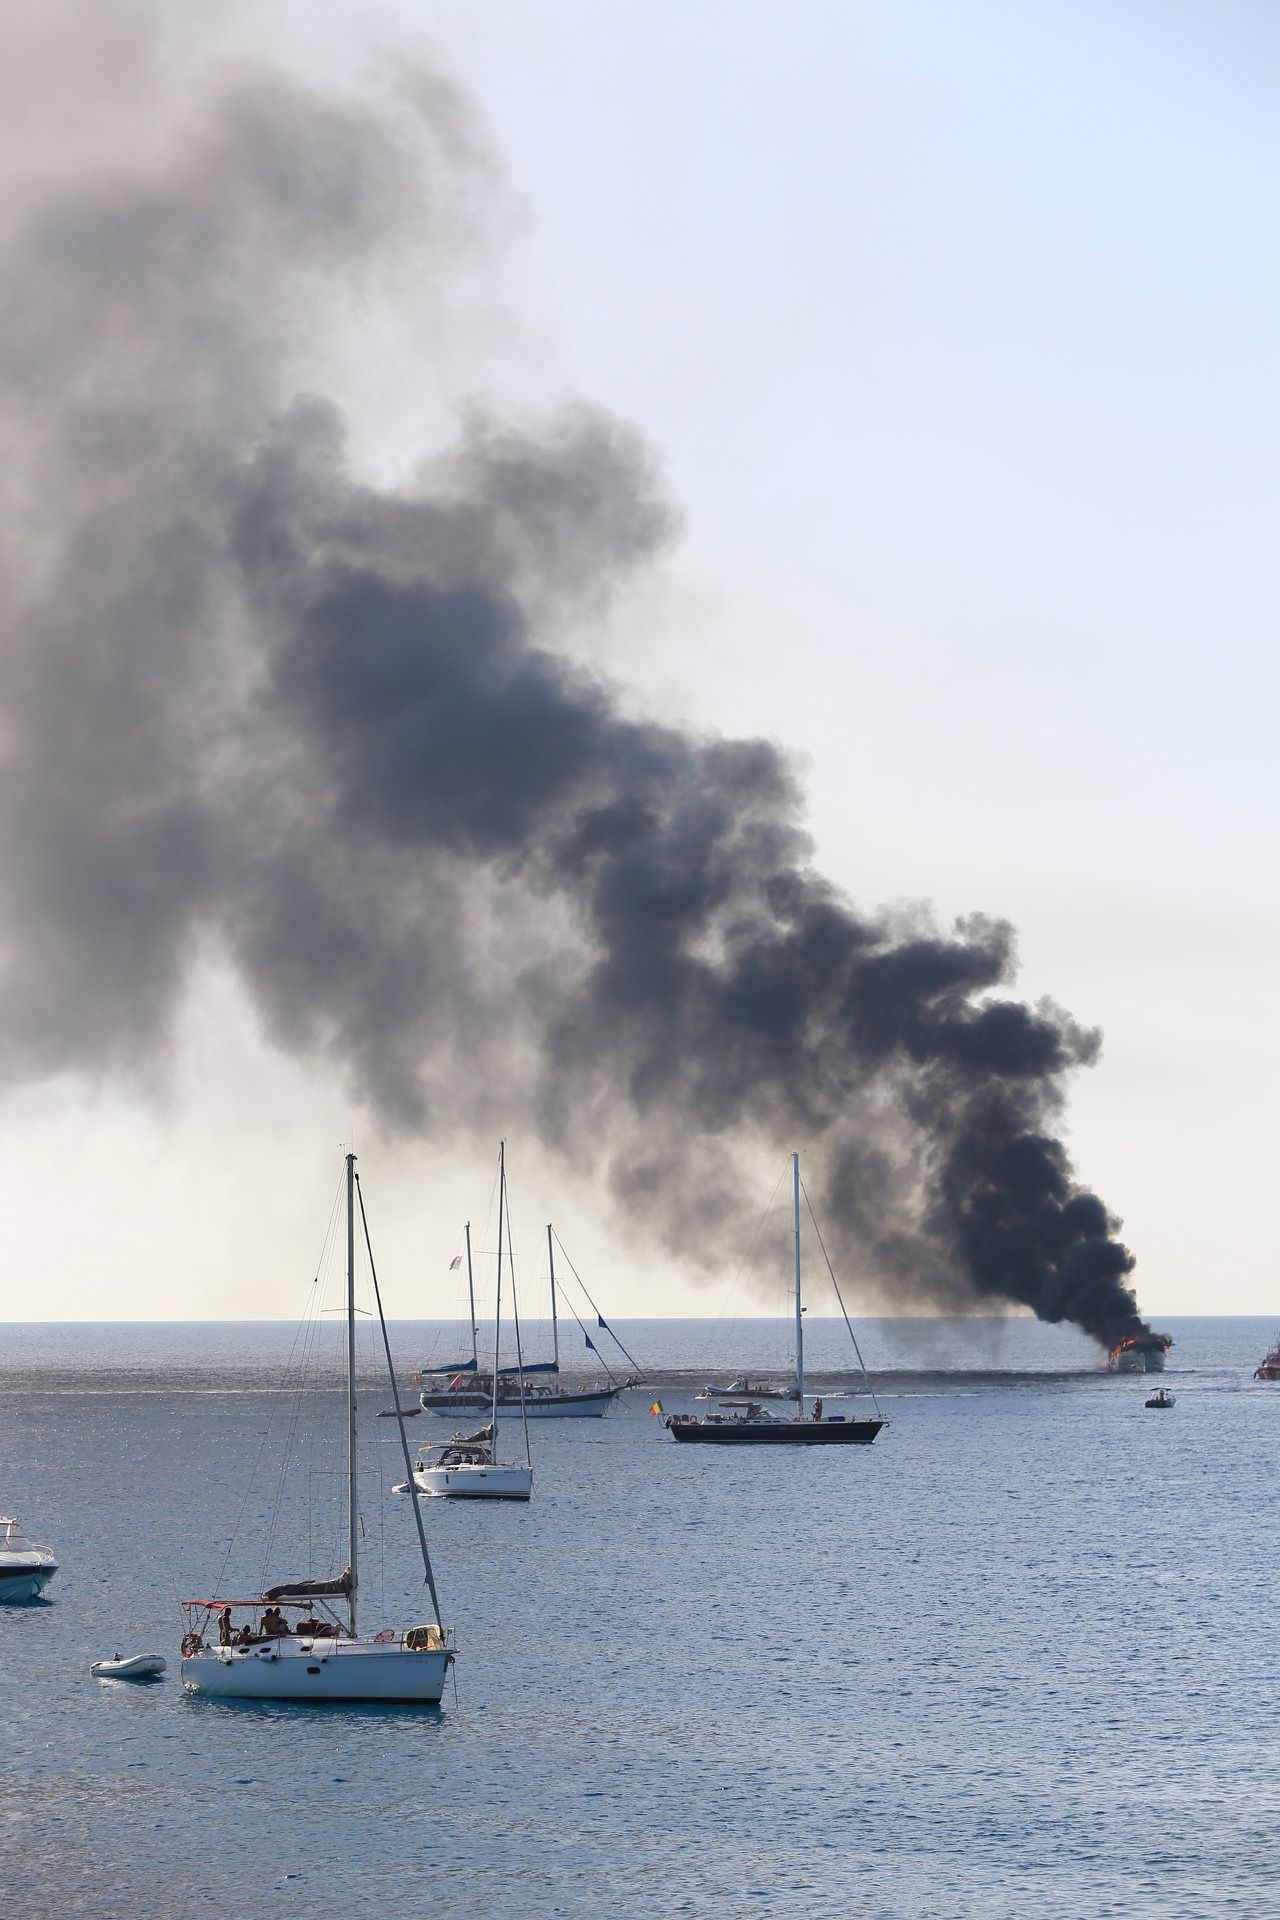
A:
1015, 1659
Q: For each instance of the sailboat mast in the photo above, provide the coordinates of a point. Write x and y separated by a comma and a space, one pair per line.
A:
471, 1302
395, 1395
515, 1315
353, 1518
555, 1330
497, 1305
795, 1177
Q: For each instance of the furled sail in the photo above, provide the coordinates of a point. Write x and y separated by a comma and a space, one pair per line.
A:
312, 1589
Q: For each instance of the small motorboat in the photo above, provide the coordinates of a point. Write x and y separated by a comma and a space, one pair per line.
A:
25, 1568
138, 1666
745, 1389
1160, 1398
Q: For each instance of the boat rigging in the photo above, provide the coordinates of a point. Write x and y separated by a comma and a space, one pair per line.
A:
293, 1643
468, 1467
543, 1395
746, 1422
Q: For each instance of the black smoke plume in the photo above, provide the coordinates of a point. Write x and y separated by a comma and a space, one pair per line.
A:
257, 707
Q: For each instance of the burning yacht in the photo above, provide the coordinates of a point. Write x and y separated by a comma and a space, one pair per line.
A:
1140, 1353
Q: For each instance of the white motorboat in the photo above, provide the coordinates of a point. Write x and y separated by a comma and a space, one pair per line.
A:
468, 1467
136, 1666
745, 1389
25, 1568
293, 1643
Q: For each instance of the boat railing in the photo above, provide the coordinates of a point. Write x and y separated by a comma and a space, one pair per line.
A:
428, 1639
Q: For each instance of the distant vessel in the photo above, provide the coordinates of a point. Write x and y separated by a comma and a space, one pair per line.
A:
470, 1388
744, 1389
318, 1657
25, 1568
468, 1467
1140, 1353
1160, 1398
474, 1391
1270, 1368
747, 1423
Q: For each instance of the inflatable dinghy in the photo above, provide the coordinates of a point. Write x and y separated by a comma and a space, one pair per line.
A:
139, 1666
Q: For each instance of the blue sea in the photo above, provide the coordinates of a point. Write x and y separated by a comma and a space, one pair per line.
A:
1018, 1658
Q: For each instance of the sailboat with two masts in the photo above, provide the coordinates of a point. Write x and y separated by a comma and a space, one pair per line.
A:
748, 1423
300, 1640
468, 1467
540, 1394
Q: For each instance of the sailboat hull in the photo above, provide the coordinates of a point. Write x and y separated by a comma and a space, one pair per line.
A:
774, 1433
24, 1583
339, 1671
468, 1482
537, 1406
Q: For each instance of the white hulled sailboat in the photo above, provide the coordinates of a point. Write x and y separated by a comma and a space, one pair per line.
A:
294, 1643
467, 1467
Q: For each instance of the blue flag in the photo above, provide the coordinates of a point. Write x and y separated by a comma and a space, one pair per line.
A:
590, 1342
602, 1322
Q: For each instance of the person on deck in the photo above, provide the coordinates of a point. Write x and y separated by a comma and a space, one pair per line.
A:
224, 1627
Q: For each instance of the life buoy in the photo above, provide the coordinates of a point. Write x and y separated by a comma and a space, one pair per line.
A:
190, 1645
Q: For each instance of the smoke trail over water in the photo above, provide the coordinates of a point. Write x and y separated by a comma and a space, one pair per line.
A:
256, 706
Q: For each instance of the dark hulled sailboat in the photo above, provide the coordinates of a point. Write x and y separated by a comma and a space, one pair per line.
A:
748, 1423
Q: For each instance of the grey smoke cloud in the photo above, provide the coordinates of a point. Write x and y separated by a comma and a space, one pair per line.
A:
256, 705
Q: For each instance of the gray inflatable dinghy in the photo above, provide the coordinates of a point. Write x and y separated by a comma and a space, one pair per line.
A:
139, 1666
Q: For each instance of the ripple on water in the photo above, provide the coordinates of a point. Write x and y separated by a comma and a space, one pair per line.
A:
1012, 1660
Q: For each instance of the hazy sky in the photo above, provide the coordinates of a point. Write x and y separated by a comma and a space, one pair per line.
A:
952, 331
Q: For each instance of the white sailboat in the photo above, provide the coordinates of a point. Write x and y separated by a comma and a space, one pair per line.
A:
467, 1467
293, 1643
